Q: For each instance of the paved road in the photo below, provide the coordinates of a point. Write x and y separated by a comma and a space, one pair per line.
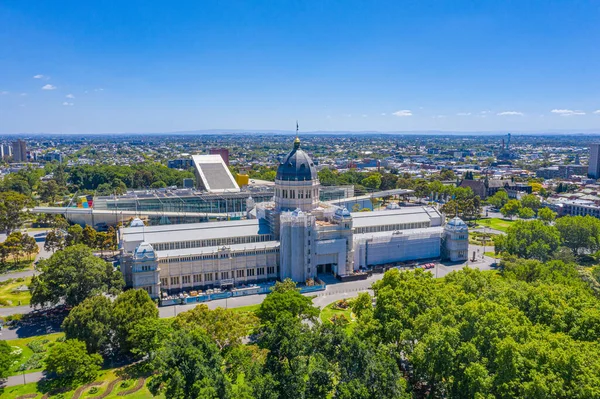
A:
21, 379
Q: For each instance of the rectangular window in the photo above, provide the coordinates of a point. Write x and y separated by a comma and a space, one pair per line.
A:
240, 273
224, 275
260, 271
174, 280
164, 282
186, 279
197, 278
270, 270
250, 272
208, 277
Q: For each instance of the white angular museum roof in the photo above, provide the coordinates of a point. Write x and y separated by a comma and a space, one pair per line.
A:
214, 174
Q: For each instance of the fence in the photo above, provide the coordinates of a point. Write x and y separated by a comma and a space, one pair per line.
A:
230, 294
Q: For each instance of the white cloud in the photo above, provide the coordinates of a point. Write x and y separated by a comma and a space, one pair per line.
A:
3, 93
364, 115
505, 113
99, 89
567, 112
39, 76
403, 112
485, 112
597, 111
48, 87
463, 114
383, 114
439, 116
66, 103
70, 96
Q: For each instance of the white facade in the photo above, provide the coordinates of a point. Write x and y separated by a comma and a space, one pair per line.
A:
456, 240
294, 237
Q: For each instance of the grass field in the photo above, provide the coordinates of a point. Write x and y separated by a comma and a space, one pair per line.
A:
104, 379
493, 255
10, 297
246, 309
328, 312
27, 353
495, 223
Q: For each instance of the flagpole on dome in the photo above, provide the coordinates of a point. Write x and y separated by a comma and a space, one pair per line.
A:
297, 140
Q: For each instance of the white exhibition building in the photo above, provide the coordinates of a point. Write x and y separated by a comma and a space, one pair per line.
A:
295, 236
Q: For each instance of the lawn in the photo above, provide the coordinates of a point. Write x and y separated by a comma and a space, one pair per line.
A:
495, 223
493, 255
9, 296
328, 312
103, 382
246, 309
31, 360
24, 263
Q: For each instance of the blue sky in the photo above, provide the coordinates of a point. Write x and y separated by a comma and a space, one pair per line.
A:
157, 66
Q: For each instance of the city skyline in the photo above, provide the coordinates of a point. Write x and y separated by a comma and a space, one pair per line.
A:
390, 67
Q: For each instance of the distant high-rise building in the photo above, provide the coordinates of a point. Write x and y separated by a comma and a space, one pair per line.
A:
594, 164
7, 151
19, 148
223, 152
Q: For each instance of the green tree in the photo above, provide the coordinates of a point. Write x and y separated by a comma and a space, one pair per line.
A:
189, 366
546, 215
71, 276
147, 337
158, 184
362, 305
285, 298
14, 245
529, 239
388, 181
373, 181
511, 208
531, 201
55, 239
12, 213
71, 364
225, 326
448, 175
49, 191
91, 322
499, 199
74, 235
89, 236
129, 309
29, 245
579, 233
6, 359
526, 213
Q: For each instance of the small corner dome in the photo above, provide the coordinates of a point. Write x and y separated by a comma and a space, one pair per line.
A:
456, 223
137, 222
296, 166
144, 251
342, 213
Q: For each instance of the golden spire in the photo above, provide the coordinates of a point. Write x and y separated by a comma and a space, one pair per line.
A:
297, 140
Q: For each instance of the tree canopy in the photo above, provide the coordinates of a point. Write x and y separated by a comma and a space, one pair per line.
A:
71, 276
